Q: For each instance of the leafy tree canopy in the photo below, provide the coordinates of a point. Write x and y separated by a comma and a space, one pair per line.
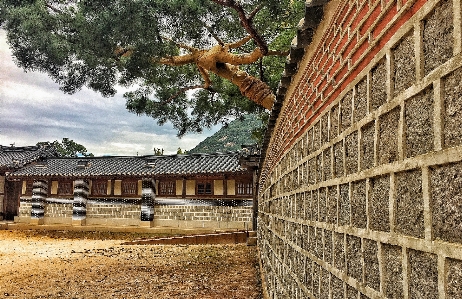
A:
223, 52
68, 148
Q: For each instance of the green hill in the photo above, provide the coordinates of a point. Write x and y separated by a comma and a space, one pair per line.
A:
230, 137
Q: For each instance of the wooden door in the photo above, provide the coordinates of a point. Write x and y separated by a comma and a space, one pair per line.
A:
11, 200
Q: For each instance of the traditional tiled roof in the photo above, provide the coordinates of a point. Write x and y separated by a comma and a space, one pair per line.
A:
133, 166
195, 163
16, 157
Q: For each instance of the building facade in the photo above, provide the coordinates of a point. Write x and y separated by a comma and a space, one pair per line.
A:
200, 190
11, 159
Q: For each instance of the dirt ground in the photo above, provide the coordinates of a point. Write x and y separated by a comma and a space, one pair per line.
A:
94, 265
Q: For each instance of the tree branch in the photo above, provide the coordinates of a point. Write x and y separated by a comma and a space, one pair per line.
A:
216, 37
254, 12
246, 22
239, 43
176, 60
205, 76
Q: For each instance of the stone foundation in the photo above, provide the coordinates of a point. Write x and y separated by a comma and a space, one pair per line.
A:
59, 211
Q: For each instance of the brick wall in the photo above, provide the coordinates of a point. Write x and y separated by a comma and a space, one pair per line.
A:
360, 190
203, 216
111, 213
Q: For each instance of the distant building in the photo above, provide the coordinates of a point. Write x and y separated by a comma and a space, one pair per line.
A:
179, 190
11, 159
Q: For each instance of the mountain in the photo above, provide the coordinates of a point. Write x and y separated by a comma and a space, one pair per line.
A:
230, 137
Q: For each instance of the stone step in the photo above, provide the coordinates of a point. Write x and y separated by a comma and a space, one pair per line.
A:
204, 239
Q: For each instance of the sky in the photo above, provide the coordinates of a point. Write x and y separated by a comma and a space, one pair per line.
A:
33, 109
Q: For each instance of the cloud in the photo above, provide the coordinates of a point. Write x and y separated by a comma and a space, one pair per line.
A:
33, 109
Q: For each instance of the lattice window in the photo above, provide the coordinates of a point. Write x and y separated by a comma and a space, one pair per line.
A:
244, 188
100, 188
129, 188
167, 188
65, 188
204, 188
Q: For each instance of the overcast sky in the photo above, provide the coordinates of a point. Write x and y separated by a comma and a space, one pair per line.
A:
33, 109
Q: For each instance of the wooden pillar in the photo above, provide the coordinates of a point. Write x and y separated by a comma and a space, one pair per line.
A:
183, 195
39, 195
147, 202
79, 205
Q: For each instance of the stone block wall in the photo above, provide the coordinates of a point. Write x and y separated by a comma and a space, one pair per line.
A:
361, 187
203, 216
128, 212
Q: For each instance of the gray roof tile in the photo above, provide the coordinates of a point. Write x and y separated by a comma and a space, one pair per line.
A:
16, 157
134, 166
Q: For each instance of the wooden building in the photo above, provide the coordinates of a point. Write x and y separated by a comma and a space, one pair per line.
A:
126, 190
11, 159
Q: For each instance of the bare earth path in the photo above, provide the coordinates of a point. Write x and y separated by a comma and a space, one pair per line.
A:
77, 265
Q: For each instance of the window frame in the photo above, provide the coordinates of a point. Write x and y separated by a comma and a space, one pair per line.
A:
204, 187
133, 190
65, 188
244, 188
94, 189
167, 187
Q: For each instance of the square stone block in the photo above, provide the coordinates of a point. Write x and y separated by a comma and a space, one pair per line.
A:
452, 109
378, 95
315, 205
358, 204
338, 160
367, 146
324, 284
80, 222
316, 278
393, 271
354, 257
351, 292
404, 70
454, 279
332, 204
360, 100
319, 246
322, 205
446, 201
312, 171
418, 123
325, 128
379, 215
36, 221
337, 288
328, 246
409, 203
316, 136
327, 159
309, 141
387, 150
438, 36
344, 205
339, 251
309, 275
371, 264
319, 169
423, 276
346, 111
334, 121
351, 153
